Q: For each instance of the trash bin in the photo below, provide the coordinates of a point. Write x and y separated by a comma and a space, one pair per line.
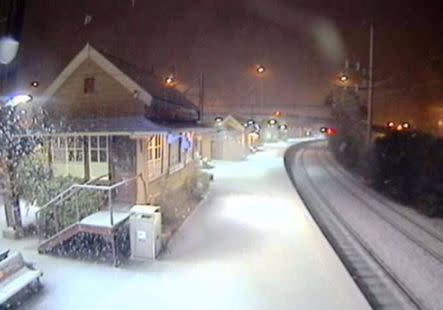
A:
145, 231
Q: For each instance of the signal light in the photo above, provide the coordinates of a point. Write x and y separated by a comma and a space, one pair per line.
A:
277, 114
331, 132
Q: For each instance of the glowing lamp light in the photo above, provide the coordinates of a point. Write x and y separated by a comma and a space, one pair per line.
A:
251, 122
245, 125
272, 122
277, 113
261, 69
19, 99
440, 123
399, 127
323, 129
8, 50
170, 80
390, 125
218, 119
35, 84
344, 78
406, 125
283, 127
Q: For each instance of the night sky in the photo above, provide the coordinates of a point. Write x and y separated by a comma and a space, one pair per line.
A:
302, 43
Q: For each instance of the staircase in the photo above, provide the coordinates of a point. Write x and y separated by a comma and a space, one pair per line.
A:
63, 217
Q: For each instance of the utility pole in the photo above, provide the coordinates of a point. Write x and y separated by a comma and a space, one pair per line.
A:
370, 82
201, 96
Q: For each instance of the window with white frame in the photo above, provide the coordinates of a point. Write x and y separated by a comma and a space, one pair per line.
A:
58, 145
155, 147
75, 149
98, 149
67, 149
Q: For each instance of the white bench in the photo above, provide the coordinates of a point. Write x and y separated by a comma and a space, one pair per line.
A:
15, 275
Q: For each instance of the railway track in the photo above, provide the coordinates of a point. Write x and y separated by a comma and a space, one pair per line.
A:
382, 200
423, 243
382, 288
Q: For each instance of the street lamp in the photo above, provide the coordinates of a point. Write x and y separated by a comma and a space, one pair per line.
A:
170, 81
218, 119
390, 124
406, 125
261, 69
344, 78
19, 99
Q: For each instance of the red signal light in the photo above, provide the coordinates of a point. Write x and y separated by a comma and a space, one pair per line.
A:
331, 132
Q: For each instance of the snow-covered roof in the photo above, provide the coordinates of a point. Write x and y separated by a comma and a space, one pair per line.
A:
124, 125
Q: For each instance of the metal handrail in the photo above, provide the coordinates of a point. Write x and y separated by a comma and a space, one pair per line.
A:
62, 194
88, 187
66, 194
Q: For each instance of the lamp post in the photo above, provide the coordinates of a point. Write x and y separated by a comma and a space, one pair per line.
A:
170, 81
343, 78
370, 83
260, 70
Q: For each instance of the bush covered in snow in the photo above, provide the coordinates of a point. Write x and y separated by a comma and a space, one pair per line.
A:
198, 184
408, 166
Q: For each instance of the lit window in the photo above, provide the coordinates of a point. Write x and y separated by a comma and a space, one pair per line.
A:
155, 147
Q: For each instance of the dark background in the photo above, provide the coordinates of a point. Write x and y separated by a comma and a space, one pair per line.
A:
303, 44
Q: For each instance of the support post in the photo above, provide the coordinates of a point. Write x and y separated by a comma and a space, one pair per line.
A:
77, 210
111, 211
201, 96
370, 83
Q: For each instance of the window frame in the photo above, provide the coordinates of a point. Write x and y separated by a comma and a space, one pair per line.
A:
60, 145
99, 149
154, 148
175, 156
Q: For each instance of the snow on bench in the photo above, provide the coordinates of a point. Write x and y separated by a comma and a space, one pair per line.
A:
15, 275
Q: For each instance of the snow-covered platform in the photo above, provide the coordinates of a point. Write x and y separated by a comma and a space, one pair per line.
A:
250, 245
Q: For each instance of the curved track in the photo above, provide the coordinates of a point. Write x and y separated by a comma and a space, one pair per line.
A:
334, 197
425, 244
328, 160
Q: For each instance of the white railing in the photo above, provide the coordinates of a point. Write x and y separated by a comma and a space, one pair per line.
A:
50, 218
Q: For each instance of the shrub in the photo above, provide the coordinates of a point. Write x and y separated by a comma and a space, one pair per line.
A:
408, 167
